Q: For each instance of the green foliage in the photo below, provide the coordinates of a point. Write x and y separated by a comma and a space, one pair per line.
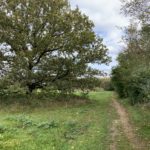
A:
106, 84
118, 81
88, 84
8, 89
134, 83
131, 76
139, 86
46, 43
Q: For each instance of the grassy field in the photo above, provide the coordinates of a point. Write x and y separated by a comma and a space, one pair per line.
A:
64, 125
83, 125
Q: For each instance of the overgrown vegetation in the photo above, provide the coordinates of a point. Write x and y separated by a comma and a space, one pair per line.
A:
131, 77
50, 97
75, 124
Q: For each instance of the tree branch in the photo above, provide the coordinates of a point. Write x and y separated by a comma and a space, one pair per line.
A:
61, 76
43, 53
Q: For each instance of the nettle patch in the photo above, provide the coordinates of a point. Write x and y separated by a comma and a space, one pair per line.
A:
70, 129
74, 129
23, 121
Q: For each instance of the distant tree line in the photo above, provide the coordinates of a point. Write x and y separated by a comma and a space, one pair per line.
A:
131, 77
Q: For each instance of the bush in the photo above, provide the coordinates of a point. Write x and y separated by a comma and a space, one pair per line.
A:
15, 89
120, 80
139, 86
134, 83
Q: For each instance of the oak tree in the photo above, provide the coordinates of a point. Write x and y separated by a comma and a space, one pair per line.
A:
47, 42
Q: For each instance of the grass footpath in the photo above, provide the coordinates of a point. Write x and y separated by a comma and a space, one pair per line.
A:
84, 126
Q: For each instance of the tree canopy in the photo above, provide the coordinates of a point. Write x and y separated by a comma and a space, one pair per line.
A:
46, 43
132, 75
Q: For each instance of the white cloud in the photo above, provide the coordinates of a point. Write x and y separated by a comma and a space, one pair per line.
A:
106, 17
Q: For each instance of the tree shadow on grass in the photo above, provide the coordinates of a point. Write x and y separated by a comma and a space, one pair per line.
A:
49, 100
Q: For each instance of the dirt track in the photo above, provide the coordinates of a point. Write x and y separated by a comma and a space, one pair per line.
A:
127, 128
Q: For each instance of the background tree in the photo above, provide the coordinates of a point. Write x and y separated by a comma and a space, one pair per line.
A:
47, 42
131, 77
137, 9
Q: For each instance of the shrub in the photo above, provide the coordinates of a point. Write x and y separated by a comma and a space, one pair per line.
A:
120, 80
139, 86
10, 89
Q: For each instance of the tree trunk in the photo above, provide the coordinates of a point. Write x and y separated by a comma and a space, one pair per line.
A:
30, 88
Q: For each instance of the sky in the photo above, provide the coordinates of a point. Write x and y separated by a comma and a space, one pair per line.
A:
107, 19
